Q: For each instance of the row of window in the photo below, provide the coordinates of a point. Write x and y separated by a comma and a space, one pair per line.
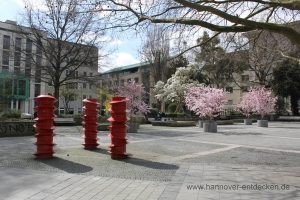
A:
73, 97
122, 81
18, 44
17, 56
243, 88
76, 74
75, 85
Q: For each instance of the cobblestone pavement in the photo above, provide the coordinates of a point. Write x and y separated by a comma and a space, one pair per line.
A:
238, 162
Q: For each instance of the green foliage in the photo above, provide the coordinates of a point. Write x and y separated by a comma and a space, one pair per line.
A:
286, 82
12, 113
172, 115
218, 65
280, 107
78, 119
171, 107
153, 112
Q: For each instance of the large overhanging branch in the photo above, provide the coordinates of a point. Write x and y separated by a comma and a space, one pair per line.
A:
226, 20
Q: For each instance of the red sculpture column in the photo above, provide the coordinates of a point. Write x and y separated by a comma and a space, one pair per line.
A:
44, 126
90, 123
118, 127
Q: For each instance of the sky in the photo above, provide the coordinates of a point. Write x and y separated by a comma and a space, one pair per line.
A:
125, 48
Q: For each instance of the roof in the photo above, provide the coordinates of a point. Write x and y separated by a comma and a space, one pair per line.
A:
126, 67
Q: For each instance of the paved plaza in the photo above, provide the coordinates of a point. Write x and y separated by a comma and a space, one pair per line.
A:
238, 162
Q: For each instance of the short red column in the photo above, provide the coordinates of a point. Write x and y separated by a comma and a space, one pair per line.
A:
118, 127
44, 126
90, 123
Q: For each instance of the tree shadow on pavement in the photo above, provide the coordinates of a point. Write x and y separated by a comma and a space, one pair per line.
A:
149, 164
66, 165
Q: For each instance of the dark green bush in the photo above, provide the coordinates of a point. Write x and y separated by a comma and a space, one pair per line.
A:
171, 108
12, 113
78, 119
171, 115
153, 113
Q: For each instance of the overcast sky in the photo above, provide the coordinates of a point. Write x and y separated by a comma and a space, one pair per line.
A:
125, 47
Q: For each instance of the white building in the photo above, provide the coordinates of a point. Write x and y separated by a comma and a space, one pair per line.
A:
20, 76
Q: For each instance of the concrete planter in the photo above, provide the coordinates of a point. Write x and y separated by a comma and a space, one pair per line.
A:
200, 123
133, 127
262, 123
16, 128
210, 126
247, 121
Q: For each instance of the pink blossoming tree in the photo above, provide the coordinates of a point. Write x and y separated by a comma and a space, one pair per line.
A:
134, 94
247, 104
264, 101
205, 101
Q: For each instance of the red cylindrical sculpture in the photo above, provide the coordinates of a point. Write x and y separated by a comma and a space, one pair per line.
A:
44, 126
90, 123
118, 127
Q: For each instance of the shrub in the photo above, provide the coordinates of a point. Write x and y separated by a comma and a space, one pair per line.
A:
78, 119
171, 108
172, 115
12, 113
153, 112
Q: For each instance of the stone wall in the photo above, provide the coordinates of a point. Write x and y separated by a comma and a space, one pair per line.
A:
16, 128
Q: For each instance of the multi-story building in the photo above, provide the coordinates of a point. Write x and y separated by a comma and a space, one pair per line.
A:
21, 77
140, 73
82, 85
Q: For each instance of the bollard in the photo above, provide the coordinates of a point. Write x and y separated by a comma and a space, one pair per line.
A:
90, 123
118, 128
44, 126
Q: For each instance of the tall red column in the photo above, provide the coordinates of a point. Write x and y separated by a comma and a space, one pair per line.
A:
44, 126
118, 127
90, 123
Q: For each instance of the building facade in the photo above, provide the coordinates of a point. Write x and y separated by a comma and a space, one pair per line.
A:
20, 80
21, 74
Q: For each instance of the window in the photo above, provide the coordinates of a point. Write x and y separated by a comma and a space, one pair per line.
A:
67, 72
6, 42
28, 46
91, 74
61, 110
76, 74
230, 102
72, 97
84, 85
245, 88
17, 59
116, 83
84, 96
90, 96
229, 89
128, 80
5, 58
122, 82
37, 90
5, 68
136, 80
245, 78
18, 44
90, 86
84, 73
28, 66
22, 87
72, 85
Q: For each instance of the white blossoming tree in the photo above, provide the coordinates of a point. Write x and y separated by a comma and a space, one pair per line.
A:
175, 88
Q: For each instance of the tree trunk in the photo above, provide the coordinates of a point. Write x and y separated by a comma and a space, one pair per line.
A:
56, 95
294, 104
